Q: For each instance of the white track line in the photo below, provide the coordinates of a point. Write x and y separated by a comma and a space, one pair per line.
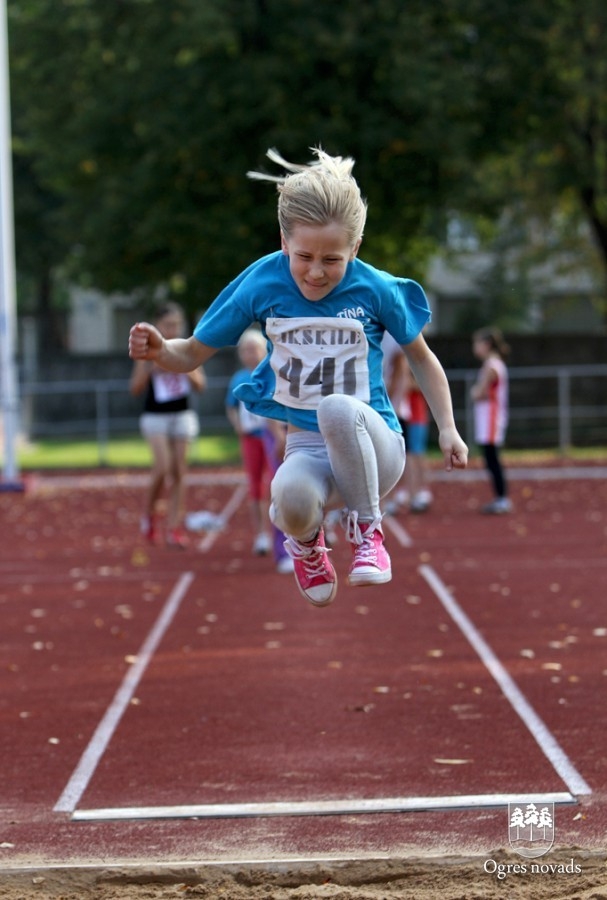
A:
276, 864
318, 807
120, 478
226, 514
548, 744
550, 473
103, 481
545, 739
106, 728
401, 534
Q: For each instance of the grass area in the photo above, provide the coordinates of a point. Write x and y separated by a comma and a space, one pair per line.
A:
536, 456
223, 449
127, 452
574, 454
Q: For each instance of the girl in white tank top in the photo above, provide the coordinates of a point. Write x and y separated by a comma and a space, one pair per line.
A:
490, 397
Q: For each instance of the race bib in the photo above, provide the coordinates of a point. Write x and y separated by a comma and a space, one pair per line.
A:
170, 386
313, 358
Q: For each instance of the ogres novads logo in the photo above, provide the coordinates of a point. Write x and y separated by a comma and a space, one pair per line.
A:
531, 828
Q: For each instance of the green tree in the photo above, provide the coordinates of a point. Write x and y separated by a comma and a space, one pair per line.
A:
552, 169
146, 115
137, 120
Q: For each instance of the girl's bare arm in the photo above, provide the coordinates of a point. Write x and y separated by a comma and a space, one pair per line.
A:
140, 377
486, 379
175, 355
433, 383
198, 379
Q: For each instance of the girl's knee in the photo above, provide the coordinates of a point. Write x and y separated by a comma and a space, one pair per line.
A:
160, 471
295, 509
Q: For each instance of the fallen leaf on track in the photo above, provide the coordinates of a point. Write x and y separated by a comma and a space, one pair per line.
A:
453, 762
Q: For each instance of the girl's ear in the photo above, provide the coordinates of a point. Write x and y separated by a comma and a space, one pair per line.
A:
355, 249
283, 244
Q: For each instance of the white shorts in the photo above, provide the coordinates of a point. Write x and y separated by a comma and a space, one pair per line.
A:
182, 425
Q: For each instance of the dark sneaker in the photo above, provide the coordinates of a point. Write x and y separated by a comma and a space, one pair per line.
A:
314, 574
497, 507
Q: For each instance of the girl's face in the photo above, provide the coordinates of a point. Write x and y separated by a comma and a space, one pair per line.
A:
251, 354
171, 325
481, 348
318, 257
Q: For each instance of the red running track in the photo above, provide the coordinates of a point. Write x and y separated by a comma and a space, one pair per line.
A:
162, 705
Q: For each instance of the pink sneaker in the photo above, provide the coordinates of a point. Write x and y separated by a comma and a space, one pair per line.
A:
370, 562
314, 574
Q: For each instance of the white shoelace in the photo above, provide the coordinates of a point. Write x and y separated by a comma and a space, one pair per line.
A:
349, 521
313, 558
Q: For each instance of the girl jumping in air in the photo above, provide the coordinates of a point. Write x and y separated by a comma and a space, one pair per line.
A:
323, 313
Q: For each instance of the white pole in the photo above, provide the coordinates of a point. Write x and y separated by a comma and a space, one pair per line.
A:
10, 401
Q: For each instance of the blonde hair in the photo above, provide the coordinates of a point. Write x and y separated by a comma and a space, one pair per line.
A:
319, 193
253, 336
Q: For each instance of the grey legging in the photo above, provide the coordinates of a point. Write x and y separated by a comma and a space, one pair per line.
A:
354, 461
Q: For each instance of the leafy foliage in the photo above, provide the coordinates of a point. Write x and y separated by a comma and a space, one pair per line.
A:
135, 122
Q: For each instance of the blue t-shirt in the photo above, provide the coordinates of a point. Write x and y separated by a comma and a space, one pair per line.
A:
318, 347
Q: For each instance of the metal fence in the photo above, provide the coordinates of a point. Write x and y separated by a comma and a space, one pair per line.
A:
550, 407
102, 409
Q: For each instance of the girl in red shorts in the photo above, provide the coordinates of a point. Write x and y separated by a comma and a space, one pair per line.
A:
262, 447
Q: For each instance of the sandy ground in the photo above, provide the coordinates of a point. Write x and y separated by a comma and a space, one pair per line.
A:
562, 875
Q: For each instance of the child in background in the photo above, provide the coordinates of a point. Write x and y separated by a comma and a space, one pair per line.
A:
418, 427
324, 313
261, 451
413, 415
490, 398
169, 426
